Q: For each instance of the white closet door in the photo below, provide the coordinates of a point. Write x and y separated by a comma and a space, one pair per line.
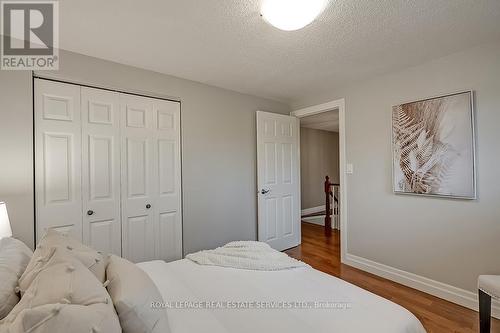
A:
58, 158
138, 195
166, 117
151, 179
101, 169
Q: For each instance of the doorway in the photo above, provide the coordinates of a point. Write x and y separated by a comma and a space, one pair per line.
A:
322, 142
319, 170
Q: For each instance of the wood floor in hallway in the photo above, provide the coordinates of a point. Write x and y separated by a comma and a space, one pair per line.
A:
437, 315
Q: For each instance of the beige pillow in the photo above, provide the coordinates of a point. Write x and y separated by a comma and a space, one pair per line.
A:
133, 292
65, 318
14, 257
93, 260
63, 297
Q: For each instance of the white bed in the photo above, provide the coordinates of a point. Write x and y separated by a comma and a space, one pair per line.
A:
185, 281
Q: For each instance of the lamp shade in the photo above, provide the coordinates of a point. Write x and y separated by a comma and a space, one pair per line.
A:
5, 230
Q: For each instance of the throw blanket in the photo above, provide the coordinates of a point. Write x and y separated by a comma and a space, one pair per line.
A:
246, 255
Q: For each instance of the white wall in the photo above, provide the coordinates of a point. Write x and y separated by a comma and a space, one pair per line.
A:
319, 156
451, 241
16, 151
218, 147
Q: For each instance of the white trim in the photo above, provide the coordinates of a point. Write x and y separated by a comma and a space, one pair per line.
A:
339, 105
315, 109
445, 291
318, 220
44, 75
312, 210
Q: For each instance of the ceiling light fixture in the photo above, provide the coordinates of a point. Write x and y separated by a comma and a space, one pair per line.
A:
291, 15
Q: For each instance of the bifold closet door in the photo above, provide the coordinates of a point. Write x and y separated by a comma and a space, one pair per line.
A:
101, 169
58, 158
137, 178
167, 138
108, 170
151, 187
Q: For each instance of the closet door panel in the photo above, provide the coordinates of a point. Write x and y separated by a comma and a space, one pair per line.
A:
139, 240
138, 156
138, 200
101, 170
168, 184
170, 236
57, 158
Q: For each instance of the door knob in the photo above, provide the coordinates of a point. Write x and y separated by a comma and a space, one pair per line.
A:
148, 206
90, 212
264, 191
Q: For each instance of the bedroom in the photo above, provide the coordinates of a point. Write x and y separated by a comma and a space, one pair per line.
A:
222, 62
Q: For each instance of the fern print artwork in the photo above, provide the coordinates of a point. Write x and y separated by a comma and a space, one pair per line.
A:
433, 147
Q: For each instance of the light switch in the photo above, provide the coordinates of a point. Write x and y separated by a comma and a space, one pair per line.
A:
349, 168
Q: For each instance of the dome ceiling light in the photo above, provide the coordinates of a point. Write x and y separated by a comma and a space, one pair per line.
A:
291, 15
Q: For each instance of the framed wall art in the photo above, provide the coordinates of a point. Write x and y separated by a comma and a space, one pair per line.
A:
433, 147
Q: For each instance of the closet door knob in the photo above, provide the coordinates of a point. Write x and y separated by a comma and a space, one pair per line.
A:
90, 212
148, 206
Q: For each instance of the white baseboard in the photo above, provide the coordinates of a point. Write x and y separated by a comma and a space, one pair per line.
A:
312, 210
445, 291
318, 220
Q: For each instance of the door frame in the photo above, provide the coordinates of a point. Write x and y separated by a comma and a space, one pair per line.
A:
339, 105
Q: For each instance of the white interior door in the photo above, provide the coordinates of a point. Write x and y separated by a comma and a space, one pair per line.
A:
101, 169
167, 175
58, 158
278, 180
138, 155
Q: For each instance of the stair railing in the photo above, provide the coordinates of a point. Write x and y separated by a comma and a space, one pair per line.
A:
331, 206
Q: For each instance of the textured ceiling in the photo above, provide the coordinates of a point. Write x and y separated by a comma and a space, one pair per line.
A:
226, 43
326, 121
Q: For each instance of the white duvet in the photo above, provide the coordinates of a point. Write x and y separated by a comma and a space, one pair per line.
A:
219, 299
246, 255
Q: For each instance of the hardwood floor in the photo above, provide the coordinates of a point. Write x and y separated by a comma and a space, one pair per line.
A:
437, 315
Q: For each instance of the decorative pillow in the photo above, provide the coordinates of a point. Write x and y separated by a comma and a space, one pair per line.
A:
133, 292
93, 260
14, 257
66, 318
63, 297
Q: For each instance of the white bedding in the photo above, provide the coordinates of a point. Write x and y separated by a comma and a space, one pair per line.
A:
184, 281
246, 255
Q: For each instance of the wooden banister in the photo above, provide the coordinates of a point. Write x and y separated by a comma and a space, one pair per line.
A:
330, 192
328, 218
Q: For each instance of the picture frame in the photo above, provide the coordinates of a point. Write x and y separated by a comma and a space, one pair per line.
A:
433, 147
